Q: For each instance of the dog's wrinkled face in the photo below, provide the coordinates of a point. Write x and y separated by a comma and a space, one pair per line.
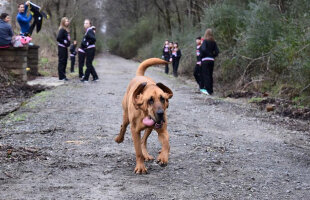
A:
153, 100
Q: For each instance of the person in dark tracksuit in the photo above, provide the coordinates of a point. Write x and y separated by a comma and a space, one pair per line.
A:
208, 52
166, 55
81, 56
72, 55
89, 41
197, 70
63, 39
176, 56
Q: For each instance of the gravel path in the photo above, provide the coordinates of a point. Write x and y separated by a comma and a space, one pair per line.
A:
59, 145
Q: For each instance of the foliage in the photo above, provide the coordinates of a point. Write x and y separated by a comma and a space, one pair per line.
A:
264, 44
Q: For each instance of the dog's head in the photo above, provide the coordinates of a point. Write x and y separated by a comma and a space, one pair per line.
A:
153, 100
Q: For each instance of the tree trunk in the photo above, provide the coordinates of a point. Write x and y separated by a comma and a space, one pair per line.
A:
13, 14
178, 15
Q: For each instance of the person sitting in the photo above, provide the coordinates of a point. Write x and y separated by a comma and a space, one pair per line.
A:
23, 19
6, 32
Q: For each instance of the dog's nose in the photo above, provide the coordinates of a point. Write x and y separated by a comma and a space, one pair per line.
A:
160, 113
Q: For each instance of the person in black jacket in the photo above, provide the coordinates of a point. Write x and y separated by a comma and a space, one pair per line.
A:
197, 70
166, 55
88, 43
72, 55
63, 39
208, 52
176, 56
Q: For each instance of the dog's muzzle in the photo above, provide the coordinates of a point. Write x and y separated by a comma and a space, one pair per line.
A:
158, 123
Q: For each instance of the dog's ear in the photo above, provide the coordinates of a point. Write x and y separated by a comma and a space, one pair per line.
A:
165, 89
137, 97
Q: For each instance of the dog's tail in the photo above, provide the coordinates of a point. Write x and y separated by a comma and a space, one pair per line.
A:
147, 63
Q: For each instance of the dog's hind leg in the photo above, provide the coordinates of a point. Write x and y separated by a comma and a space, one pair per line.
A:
120, 137
146, 155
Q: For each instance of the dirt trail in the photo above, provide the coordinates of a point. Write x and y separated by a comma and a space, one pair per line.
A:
60, 146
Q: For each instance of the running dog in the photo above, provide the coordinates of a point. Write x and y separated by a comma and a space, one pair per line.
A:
144, 107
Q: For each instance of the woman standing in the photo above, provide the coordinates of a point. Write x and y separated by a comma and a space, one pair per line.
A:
63, 39
208, 52
176, 56
88, 43
166, 55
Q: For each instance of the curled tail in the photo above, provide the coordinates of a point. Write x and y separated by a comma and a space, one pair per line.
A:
147, 63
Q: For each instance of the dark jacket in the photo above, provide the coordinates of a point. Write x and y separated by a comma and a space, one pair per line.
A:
89, 39
176, 55
6, 33
166, 51
209, 49
198, 53
63, 38
73, 50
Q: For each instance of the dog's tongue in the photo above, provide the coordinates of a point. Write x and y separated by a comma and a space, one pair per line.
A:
147, 121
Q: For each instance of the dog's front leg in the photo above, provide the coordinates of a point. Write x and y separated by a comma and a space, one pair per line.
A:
140, 167
163, 137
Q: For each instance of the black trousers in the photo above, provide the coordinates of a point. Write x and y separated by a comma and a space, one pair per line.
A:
175, 65
62, 62
72, 58
81, 56
197, 75
207, 75
167, 58
90, 55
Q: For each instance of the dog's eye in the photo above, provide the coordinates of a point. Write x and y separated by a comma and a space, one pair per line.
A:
162, 100
151, 101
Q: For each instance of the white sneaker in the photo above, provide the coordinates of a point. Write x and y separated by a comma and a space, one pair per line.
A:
204, 91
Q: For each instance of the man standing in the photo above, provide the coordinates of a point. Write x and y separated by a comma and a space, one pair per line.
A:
23, 19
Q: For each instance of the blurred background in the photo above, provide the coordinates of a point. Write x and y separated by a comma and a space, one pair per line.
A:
264, 44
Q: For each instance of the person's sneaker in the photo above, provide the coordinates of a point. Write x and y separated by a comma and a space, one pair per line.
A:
84, 80
96, 79
65, 79
204, 91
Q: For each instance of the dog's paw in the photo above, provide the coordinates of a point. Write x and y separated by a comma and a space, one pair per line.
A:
162, 159
140, 169
148, 157
119, 139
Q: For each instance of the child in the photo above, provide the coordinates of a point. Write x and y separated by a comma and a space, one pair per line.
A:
176, 55
166, 55
89, 41
63, 39
72, 55
197, 70
208, 52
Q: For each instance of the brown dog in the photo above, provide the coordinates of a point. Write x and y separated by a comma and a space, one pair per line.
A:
144, 107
